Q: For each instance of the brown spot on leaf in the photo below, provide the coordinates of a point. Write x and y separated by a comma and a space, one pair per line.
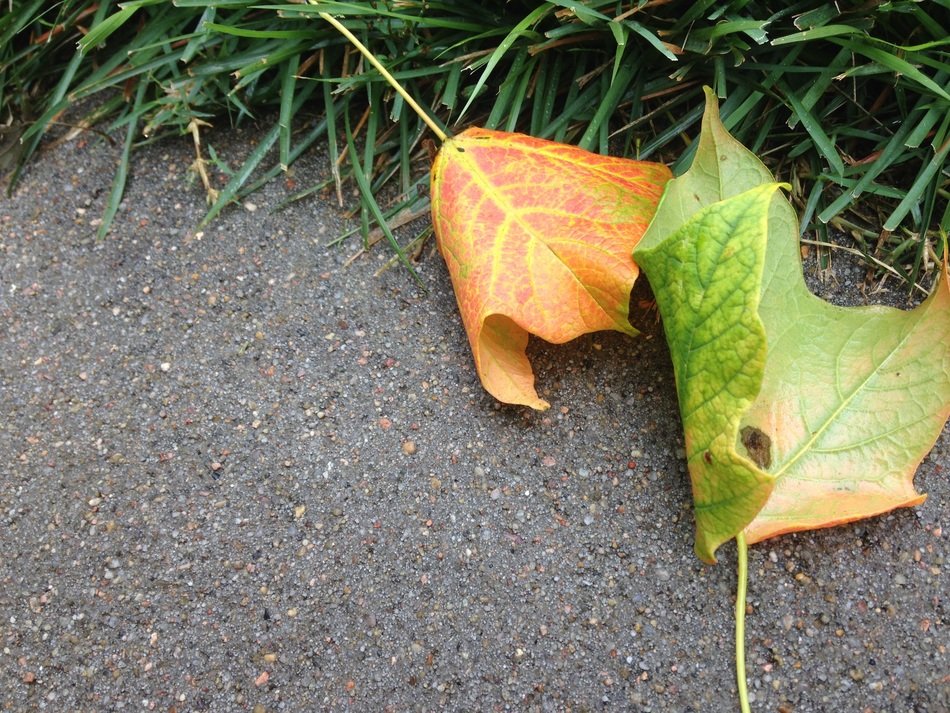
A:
707, 456
758, 445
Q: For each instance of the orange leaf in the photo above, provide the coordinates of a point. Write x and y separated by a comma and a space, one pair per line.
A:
538, 237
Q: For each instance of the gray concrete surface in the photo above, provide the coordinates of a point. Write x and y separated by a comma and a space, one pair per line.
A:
239, 474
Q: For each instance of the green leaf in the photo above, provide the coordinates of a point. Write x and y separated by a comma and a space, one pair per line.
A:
706, 277
797, 414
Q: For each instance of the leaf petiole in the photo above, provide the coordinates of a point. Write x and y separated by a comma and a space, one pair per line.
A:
386, 75
743, 578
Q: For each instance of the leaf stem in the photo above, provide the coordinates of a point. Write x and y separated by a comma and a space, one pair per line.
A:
741, 587
386, 75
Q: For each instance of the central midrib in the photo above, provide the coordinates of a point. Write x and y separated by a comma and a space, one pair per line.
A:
512, 213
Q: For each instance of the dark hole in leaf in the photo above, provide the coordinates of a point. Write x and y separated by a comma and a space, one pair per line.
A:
758, 445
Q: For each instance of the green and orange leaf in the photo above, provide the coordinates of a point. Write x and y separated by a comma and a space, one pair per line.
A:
538, 238
798, 414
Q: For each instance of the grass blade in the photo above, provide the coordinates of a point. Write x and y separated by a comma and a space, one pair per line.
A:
531, 19
917, 189
34, 134
824, 144
609, 103
895, 64
370, 202
286, 108
122, 172
817, 33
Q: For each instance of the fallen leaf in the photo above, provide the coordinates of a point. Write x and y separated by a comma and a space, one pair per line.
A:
537, 237
852, 400
706, 276
797, 414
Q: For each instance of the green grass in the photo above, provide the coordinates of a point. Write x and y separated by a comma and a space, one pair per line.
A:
851, 106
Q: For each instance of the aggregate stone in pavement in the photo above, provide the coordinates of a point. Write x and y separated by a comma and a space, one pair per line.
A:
242, 472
